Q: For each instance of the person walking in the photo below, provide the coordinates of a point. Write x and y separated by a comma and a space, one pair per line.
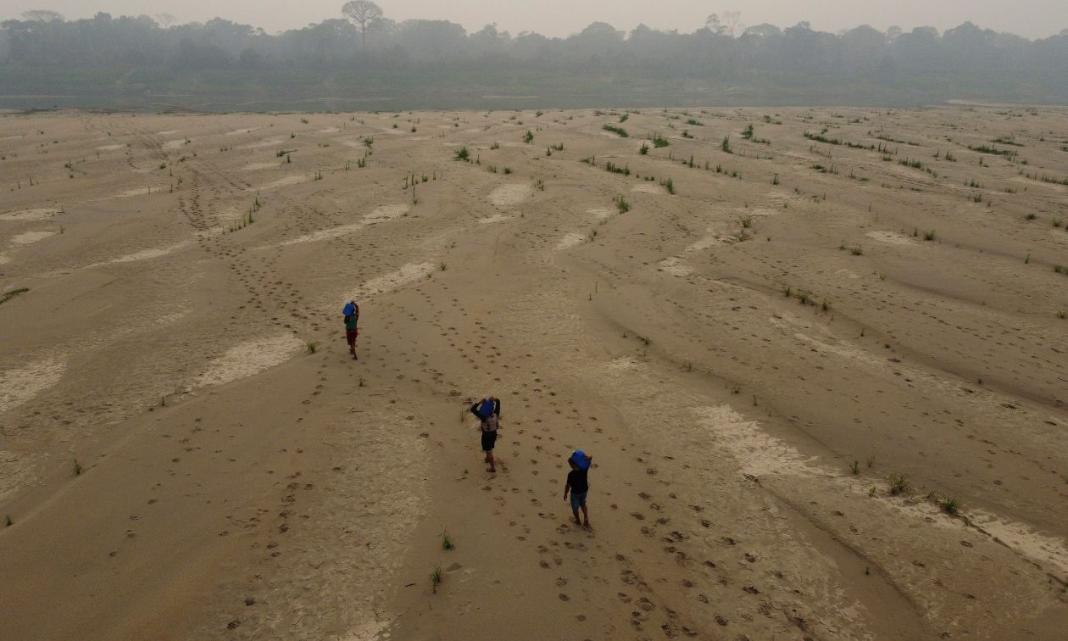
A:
488, 411
578, 484
351, 312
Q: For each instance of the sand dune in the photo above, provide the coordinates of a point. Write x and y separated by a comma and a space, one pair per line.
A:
824, 388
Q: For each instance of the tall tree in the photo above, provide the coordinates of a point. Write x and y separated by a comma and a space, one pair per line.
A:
363, 13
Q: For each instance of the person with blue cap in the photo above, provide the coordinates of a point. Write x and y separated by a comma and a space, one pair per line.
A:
351, 312
578, 485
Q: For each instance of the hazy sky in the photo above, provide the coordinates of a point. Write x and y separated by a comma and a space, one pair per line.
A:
1031, 18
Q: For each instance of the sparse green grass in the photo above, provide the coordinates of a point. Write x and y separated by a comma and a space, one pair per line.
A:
669, 185
528, 137
993, 151
621, 204
855, 468
446, 542
463, 154
929, 235
659, 141
77, 468
746, 221
619, 131
725, 146
312, 347
435, 579
949, 506
644, 150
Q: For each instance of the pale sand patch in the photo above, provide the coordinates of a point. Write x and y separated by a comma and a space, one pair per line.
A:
4, 258
570, 240
600, 213
385, 213
266, 142
674, 266
510, 195
31, 237
238, 132
1058, 235
16, 471
391, 130
355, 144
281, 182
147, 254
757, 452
890, 237
324, 234
406, 275
174, 144
706, 242
648, 188
169, 132
329, 130
1047, 551
257, 166
130, 193
110, 147
249, 358
43, 213
496, 218
18, 385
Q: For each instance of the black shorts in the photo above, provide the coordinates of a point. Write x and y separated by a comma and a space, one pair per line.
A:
488, 441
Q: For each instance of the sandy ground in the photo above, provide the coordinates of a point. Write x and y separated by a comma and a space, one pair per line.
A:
752, 352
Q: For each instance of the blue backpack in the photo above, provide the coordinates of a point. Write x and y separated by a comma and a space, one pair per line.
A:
485, 409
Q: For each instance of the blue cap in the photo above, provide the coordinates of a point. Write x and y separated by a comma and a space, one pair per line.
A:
580, 459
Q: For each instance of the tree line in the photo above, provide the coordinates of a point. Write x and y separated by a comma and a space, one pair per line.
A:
363, 59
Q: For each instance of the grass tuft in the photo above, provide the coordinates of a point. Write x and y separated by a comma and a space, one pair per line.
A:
899, 484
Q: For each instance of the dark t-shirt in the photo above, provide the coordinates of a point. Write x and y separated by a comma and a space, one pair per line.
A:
578, 482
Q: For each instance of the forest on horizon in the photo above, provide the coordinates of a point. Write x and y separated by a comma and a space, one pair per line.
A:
364, 60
